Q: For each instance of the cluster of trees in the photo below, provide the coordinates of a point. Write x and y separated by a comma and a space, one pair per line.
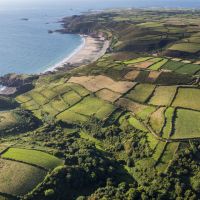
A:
90, 173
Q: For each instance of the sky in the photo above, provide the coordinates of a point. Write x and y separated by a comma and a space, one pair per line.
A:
133, 3
43, 2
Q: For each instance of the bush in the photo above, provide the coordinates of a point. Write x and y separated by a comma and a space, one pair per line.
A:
49, 193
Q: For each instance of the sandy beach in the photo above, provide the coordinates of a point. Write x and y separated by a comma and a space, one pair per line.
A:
91, 49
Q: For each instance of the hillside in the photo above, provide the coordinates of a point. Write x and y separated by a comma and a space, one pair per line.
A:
123, 127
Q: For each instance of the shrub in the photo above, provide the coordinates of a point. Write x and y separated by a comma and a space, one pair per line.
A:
49, 193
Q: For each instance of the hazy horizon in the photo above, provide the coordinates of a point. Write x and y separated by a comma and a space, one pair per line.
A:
92, 3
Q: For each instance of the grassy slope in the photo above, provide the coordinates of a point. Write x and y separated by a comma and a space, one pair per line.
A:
18, 178
38, 158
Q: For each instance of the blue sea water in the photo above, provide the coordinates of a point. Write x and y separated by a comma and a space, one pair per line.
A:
27, 47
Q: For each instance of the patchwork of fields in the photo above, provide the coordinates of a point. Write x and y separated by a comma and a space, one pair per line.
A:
77, 99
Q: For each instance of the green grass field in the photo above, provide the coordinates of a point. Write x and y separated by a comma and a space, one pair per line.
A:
34, 157
150, 25
23, 98
141, 92
167, 156
79, 89
18, 178
187, 124
152, 141
172, 65
163, 95
58, 104
49, 94
159, 150
187, 98
157, 120
49, 109
137, 60
62, 88
186, 47
71, 117
188, 69
145, 113
194, 39
158, 65
30, 105
71, 98
105, 111
137, 124
140, 110
38, 98
93, 106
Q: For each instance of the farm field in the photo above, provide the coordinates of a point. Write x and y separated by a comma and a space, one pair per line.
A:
132, 75
137, 124
167, 156
140, 110
189, 69
163, 95
172, 65
95, 83
108, 95
159, 150
144, 65
93, 106
33, 157
141, 92
153, 75
188, 129
71, 117
187, 98
138, 60
158, 65
157, 119
186, 47
17, 178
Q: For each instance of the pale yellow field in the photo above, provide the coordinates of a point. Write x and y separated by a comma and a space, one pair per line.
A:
153, 75
18, 178
95, 83
108, 95
144, 65
132, 75
157, 119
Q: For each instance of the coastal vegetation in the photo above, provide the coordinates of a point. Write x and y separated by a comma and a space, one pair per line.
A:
125, 126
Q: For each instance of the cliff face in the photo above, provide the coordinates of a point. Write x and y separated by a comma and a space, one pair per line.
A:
77, 25
85, 24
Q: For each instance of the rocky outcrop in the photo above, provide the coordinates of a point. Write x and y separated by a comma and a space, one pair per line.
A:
15, 80
17, 84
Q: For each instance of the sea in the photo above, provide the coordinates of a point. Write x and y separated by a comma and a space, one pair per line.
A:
27, 47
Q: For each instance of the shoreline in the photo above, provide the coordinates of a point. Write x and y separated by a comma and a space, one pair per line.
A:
89, 51
65, 60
